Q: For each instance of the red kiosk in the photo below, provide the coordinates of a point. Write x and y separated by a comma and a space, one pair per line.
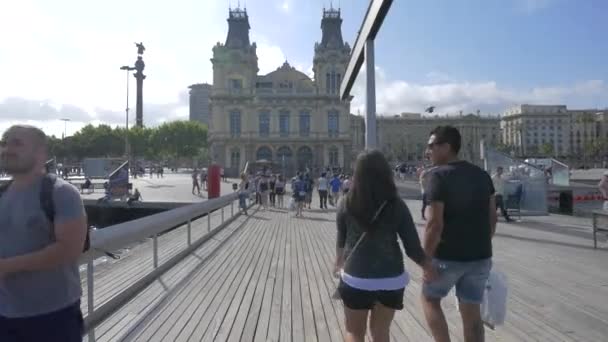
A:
213, 181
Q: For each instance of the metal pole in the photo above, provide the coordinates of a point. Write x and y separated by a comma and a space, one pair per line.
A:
189, 233
155, 249
232, 209
90, 296
208, 221
127, 119
370, 99
222, 215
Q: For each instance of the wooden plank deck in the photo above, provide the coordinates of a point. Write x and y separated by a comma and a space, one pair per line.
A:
112, 276
271, 281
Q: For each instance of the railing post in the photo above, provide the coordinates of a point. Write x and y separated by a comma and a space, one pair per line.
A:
189, 232
232, 209
90, 296
155, 250
222, 215
208, 221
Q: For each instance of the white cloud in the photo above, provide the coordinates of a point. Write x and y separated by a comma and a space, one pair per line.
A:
396, 96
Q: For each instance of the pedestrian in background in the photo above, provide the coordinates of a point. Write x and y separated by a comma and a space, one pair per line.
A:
323, 186
279, 189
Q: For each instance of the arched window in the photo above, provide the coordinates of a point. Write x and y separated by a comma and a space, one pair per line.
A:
264, 153
304, 158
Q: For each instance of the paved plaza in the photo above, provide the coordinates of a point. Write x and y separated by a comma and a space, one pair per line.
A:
173, 187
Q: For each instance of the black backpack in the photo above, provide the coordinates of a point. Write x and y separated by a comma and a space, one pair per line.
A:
47, 203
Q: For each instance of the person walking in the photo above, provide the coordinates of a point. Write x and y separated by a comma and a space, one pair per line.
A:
264, 189
279, 189
371, 219
323, 186
272, 185
203, 177
44, 227
243, 190
461, 221
299, 194
499, 186
603, 187
346, 185
195, 185
309, 185
335, 185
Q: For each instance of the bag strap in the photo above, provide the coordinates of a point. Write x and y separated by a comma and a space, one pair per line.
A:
374, 218
47, 203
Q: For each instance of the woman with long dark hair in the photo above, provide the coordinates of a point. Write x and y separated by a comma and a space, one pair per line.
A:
370, 219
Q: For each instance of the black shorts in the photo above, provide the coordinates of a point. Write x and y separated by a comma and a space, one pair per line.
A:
65, 325
356, 299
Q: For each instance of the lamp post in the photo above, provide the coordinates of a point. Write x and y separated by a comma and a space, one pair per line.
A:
65, 125
128, 69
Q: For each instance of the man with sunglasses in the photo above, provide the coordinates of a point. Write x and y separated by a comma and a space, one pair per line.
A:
461, 220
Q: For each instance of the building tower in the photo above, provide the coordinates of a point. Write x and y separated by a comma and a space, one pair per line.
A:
331, 54
235, 68
235, 63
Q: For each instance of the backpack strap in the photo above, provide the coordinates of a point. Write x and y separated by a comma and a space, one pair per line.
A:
47, 203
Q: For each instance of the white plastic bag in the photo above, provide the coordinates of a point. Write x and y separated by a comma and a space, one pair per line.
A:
494, 306
292, 204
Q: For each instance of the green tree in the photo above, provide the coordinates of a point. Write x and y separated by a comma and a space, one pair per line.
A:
139, 140
546, 150
178, 139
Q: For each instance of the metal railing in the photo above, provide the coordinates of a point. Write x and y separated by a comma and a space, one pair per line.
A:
124, 234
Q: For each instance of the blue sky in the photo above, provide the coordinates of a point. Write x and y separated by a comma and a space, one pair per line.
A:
61, 58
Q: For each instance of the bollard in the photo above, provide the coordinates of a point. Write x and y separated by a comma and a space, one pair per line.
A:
208, 221
222, 215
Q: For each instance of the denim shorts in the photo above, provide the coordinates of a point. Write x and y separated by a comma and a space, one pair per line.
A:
469, 277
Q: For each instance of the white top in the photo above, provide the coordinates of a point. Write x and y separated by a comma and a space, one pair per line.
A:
376, 284
499, 184
323, 183
346, 184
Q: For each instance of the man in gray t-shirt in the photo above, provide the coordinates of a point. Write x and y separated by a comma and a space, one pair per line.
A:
39, 280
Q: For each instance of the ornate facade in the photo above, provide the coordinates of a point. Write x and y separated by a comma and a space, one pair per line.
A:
285, 116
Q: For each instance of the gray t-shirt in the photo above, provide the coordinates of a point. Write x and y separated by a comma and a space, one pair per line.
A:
24, 228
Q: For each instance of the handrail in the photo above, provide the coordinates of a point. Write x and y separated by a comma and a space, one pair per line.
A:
120, 235
124, 234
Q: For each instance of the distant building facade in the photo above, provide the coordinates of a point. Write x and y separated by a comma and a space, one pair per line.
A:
199, 102
284, 116
404, 137
553, 130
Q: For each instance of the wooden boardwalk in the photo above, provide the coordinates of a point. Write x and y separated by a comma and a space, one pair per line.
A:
270, 280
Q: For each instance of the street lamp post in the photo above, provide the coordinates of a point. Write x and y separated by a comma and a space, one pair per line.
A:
65, 126
128, 69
